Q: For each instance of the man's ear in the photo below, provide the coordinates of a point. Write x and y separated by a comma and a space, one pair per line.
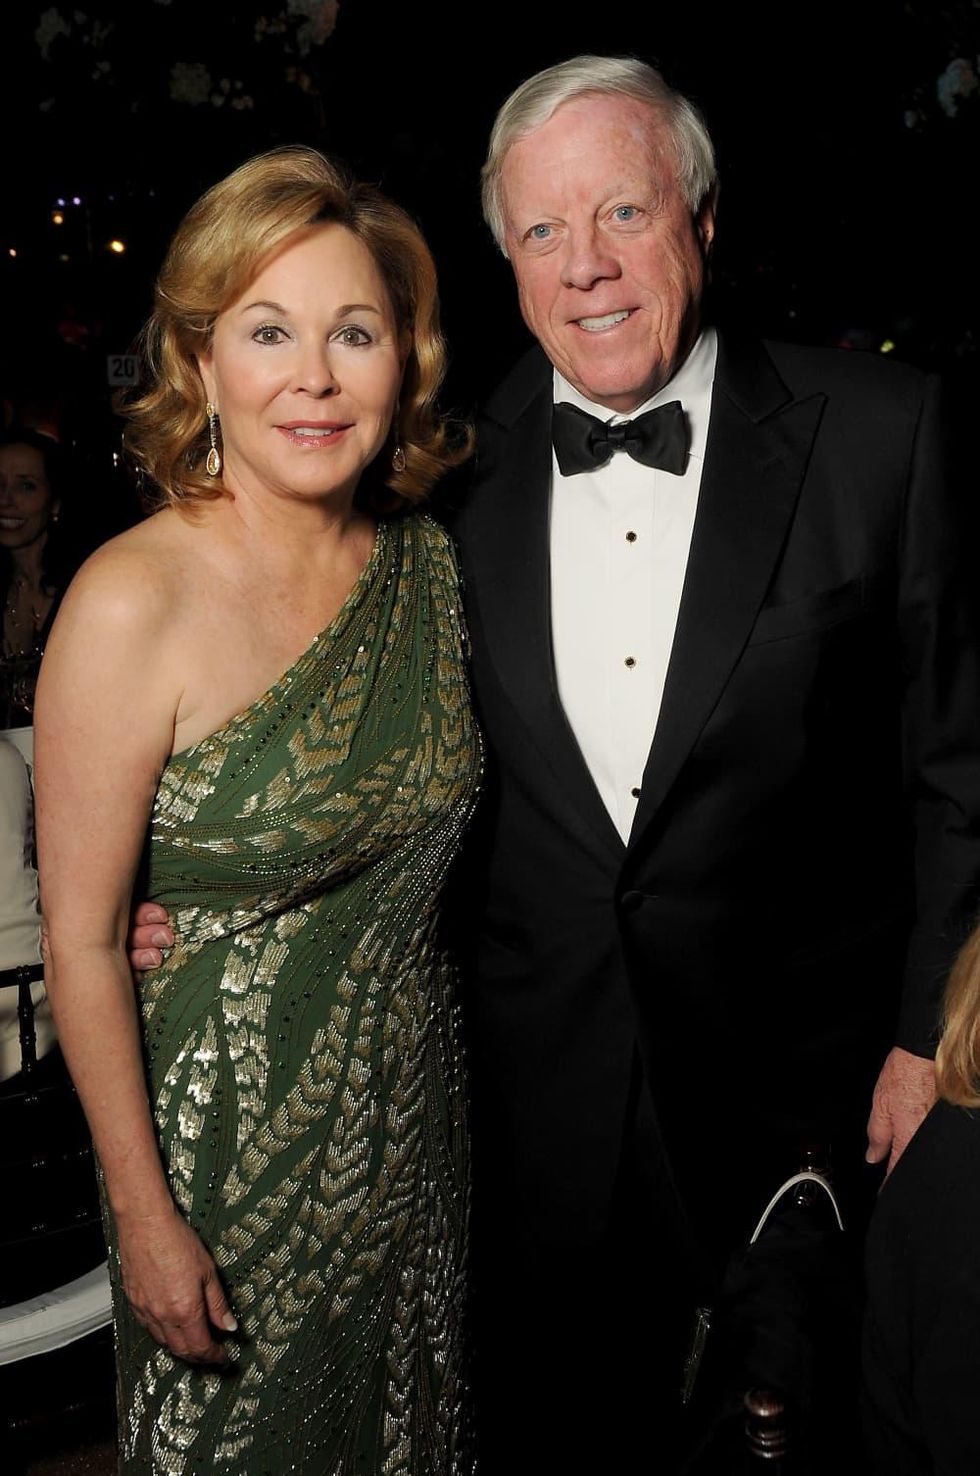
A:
704, 220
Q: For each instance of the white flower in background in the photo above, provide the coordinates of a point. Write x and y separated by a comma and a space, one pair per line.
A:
190, 82
51, 25
320, 20
958, 81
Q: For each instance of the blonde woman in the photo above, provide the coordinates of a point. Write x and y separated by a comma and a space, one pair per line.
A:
922, 1326
256, 700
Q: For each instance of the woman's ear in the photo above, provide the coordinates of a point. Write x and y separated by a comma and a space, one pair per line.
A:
205, 367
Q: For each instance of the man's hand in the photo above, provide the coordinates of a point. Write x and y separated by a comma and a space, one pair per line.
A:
149, 932
903, 1094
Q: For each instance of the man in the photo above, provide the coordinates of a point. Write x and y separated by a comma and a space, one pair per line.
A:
729, 690
731, 711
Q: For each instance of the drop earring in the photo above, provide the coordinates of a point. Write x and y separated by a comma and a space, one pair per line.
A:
398, 461
214, 455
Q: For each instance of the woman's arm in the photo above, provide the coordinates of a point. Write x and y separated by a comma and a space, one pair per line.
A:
98, 758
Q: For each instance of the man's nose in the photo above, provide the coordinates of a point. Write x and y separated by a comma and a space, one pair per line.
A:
588, 260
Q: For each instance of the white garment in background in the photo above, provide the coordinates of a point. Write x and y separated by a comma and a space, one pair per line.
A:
20, 923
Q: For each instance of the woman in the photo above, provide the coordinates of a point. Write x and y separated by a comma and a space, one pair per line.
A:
280, 695
922, 1323
35, 565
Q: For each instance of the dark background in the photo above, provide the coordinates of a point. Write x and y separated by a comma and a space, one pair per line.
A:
847, 181
849, 171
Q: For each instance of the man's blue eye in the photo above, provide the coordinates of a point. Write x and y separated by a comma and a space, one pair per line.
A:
540, 232
625, 212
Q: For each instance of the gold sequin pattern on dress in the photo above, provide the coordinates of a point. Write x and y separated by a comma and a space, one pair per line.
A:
303, 1050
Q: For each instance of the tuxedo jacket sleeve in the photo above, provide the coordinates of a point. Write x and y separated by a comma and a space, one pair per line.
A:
938, 640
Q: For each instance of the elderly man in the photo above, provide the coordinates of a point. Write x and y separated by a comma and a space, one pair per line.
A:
728, 682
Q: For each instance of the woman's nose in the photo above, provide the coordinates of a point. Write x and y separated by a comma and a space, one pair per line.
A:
315, 373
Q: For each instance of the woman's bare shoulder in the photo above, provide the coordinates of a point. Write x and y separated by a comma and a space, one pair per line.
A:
142, 575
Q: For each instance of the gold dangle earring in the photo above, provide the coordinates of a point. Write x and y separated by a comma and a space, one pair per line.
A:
398, 455
398, 462
214, 455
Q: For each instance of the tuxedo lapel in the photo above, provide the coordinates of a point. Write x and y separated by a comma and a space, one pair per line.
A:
758, 445
510, 558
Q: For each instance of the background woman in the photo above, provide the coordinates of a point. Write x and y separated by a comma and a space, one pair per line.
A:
922, 1326
279, 695
36, 561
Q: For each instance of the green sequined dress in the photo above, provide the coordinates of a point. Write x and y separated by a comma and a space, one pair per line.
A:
302, 1045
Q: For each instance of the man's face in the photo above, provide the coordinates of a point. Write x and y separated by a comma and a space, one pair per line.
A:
610, 264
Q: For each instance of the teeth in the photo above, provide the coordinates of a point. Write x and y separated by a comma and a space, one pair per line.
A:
592, 325
313, 430
9, 523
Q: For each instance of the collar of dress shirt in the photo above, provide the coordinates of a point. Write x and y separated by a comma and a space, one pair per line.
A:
691, 384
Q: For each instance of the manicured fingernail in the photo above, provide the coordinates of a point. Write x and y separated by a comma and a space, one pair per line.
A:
228, 1323
162, 940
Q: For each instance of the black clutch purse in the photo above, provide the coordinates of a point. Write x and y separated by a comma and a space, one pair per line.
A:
784, 1335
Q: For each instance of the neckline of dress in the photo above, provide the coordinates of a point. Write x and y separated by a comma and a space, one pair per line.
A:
328, 633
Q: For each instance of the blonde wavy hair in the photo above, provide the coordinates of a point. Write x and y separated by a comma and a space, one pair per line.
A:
958, 1056
218, 249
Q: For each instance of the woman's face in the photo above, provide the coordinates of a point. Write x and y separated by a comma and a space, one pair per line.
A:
26, 499
304, 370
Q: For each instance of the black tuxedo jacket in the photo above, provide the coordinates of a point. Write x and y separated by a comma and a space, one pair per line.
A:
805, 854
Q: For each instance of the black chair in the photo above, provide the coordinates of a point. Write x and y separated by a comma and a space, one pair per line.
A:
50, 1226
55, 1333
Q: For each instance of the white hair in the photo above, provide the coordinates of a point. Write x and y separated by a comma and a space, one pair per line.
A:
536, 99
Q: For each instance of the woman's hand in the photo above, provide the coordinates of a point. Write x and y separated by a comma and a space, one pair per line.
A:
173, 1286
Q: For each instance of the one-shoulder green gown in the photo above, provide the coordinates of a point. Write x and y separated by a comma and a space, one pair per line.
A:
303, 1052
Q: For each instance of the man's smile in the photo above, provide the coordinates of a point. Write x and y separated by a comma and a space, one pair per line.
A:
608, 320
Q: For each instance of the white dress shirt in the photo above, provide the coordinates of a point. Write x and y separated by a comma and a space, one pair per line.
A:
620, 538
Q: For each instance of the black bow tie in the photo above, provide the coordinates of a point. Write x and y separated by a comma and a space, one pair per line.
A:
658, 438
